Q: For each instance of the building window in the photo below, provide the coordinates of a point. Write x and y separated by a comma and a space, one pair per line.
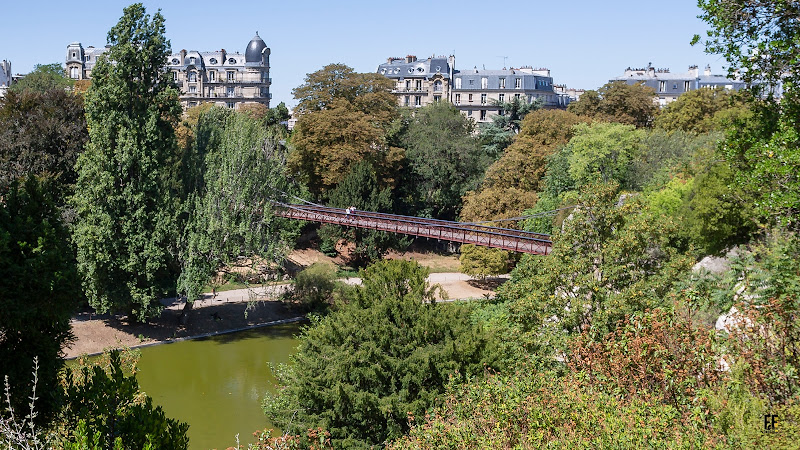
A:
407, 100
73, 73
516, 96
469, 112
87, 58
437, 86
192, 60
419, 85
231, 76
687, 85
662, 86
231, 92
408, 85
483, 99
437, 98
517, 83
264, 77
501, 98
458, 99
484, 83
469, 98
264, 92
483, 114
211, 91
73, 55
230, 104
192, 89
675, 86
458, 83
192, 77
471, 82
417, 100
212, 76
502, 83
174, 76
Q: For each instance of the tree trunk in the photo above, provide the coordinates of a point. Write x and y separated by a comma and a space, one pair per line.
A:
184, 317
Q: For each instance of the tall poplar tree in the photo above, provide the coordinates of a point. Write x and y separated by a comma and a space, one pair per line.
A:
126, 191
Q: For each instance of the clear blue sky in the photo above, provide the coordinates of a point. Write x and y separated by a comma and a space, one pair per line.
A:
582, 42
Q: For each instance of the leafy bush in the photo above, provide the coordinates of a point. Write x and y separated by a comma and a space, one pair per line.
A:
111, 407
483, 262
314, 285
530, 409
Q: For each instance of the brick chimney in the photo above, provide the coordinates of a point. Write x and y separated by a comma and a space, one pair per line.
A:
410, 58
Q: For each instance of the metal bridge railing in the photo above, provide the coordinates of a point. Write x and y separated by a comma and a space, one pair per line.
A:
493, 237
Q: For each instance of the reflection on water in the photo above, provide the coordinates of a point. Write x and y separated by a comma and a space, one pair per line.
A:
216, 384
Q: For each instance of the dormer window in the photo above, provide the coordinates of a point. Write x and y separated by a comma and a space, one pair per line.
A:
231, 60
175, 61
192, 60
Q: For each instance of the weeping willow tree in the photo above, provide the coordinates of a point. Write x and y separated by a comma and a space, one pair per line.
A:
236, 168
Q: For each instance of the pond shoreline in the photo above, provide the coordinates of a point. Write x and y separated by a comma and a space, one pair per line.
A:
215, 314
204, 335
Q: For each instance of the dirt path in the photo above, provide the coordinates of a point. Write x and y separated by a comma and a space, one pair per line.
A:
235, 309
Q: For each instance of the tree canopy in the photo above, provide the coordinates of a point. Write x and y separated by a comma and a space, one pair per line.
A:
45, 77
760, 38
618, 101
387, 354
343, 118
126, 194
700, 111
39, 289
41, 132
240, 167
443, 160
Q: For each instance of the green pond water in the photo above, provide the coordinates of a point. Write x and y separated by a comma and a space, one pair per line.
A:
216, 384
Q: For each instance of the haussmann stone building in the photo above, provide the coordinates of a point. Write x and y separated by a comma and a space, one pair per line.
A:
224, 78
476, 93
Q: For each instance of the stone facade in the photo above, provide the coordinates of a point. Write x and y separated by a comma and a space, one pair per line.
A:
477, 93
474, 92
224, 78
419, 82
669, 86
5, 77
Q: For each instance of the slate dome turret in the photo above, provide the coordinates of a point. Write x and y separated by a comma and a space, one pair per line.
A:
255, 49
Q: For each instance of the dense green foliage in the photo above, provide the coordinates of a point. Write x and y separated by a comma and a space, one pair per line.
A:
618, 101
43, 78
236, 166
761, 39
126, 191
483, 262
700, 111
314, 287
343, 118
497, 135
388, 353
38, 290
107, 409
41, 132
360, 189
609, 261
443, 160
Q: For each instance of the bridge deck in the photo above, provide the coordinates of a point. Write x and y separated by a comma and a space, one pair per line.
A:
466, 233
